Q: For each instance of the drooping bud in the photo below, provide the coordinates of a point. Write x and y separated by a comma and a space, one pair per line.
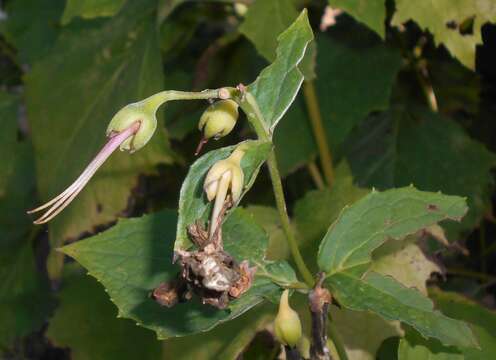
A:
219, 119
287, 325
140, 112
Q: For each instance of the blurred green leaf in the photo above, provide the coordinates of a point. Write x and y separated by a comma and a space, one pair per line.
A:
370, 12
348, 90
446, 21
390, 149
264, 21
405, 262
32, 27
94, 69
89, 9
227, 341
86, 322
277, 85
25, 298
481, 320
135, 256
193, 203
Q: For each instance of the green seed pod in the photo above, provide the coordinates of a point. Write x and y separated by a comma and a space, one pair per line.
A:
219, 119
129, 114
287, 324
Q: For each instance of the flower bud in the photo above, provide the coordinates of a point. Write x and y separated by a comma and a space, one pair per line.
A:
287, 325
230, 166
129, 114
219, 119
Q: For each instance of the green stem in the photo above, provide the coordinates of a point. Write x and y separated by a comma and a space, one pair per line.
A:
318, 130
153, 102
336, 340
254, 116
283, 214
482, 245
315, 174
471, 274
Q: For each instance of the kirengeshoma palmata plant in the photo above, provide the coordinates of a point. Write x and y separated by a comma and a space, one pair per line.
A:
221, 265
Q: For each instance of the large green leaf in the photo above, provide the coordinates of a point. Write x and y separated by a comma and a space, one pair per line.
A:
226, 341
390, 149
86, 322
368, 223
193, 203
135, 256
370, 12
345, 257
445, 19
25, 299
277, 85
94, 69
347, 87
393, 301
482, 321
89, 9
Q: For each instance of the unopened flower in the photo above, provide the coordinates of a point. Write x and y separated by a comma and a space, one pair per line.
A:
287, 325
225, 175
218, 120
116, 139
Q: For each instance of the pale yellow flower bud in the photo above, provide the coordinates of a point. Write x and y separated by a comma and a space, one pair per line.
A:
287, 325
219, 119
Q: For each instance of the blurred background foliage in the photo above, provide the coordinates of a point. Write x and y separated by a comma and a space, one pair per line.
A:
407, 92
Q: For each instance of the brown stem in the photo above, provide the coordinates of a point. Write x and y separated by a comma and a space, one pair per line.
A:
319, 300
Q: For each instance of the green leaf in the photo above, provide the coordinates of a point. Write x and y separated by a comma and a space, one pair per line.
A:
193, 203
345, 257
89, 9
86, 322
268, 218
445, 20
277, 85
94, 69
135, 256
405, 262
226, 341
25, 299
393, 301
481, 320
318, 209
372, 328
264, 21
368, 223
31, 26
343, 85
390, 149
370, 12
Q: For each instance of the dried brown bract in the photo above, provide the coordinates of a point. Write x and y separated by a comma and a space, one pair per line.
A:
209, 272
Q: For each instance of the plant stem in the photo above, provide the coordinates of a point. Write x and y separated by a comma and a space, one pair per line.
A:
254, 116
153, 102
336, 340
318, 130
315, 174
283, 214
471, 274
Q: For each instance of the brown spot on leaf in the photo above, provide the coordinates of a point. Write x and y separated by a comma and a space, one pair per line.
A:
432, 207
